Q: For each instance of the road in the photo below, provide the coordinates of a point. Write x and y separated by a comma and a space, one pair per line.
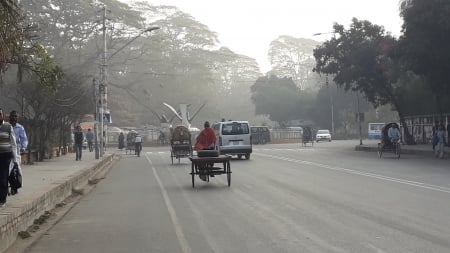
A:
286, 198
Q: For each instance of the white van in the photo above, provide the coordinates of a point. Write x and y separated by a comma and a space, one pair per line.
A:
234, 138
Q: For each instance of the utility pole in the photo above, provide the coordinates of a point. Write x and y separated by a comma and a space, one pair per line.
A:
102, 87
94, 85
331, 105
359, 120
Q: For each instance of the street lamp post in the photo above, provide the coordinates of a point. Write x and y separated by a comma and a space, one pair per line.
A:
326, 82
103, 86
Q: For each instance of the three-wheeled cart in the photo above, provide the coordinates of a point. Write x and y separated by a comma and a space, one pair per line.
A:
386, 144
130, 142
181, 143
206, 167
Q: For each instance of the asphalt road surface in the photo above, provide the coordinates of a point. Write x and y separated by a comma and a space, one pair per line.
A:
286, 198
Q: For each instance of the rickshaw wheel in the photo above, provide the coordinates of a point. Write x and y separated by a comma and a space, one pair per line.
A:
397, 150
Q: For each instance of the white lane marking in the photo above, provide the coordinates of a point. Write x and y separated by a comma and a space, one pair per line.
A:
210, 239
376, 249
173, 216
284, 149
361, 173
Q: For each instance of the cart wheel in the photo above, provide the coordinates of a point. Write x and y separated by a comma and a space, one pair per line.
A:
193, 169
397, 150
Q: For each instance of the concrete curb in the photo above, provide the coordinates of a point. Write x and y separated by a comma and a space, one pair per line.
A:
19, 217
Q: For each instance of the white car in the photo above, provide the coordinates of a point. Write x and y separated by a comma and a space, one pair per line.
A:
323, 135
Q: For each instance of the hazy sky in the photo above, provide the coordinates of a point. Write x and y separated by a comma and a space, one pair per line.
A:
247, 27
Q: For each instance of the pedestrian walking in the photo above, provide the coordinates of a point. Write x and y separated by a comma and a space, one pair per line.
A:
90, 140
121, 140
137, 144
8, 154
441, 142
21, 135
434, 137
78, 138
448, 134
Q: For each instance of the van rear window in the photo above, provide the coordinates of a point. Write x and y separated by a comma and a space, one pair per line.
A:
235, 128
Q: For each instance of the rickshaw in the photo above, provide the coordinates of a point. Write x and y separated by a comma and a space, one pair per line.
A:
130, 142
181, 143
386, 143
307, 136
204, 165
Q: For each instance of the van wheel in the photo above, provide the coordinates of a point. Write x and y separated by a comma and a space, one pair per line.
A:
247, 156
240, 156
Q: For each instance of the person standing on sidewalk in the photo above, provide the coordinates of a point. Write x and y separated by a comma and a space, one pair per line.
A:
90, 140
8, 153
78, 137
137, 144
21, 135
448, 134
441, 141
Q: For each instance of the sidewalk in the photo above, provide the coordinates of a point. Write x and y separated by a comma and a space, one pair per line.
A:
46, 184
420, 149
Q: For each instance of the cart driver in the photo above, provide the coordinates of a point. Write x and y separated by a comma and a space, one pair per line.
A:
206, 139
394, 133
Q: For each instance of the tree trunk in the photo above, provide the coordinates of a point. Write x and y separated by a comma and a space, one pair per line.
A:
408, 137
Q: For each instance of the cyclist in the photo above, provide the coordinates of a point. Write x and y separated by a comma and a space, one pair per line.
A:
394, 134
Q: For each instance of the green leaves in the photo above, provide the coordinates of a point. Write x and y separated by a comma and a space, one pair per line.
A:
277, 97
47, 73
357, 60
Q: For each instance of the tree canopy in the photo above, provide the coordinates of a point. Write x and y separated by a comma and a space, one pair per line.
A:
277, 97
424, 46
293, 57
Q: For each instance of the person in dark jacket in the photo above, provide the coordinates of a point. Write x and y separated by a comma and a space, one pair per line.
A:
121, 140
78, 138
8, 153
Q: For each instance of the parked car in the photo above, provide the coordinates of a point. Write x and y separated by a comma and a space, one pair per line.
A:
323, 135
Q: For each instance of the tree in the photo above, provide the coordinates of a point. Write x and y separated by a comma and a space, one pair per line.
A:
361, 59
424, 46
233, 76
10, 33
293, 57
277, 97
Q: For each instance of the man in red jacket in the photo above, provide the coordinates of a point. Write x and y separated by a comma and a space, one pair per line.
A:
206, 139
